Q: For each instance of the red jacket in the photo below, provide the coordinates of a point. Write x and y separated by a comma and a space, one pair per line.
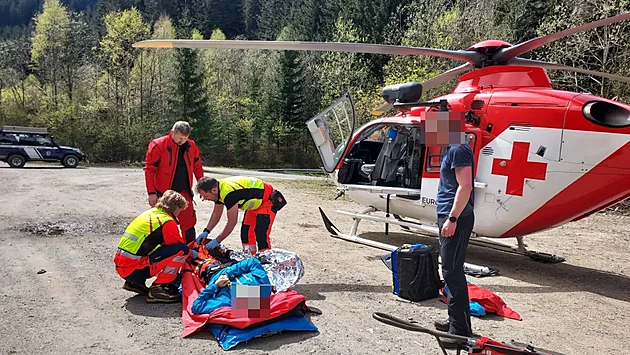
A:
161, 162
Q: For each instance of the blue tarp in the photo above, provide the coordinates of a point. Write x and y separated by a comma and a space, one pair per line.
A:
228, 337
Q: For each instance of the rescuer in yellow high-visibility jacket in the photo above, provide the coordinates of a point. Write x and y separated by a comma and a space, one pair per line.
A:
258, 199
153, 246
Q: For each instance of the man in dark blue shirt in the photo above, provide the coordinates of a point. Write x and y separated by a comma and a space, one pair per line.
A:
455, 200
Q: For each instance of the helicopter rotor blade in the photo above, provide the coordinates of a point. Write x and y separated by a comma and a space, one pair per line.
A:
430, 84
505, 54
386, 106
466, 56
555, 66
446, 76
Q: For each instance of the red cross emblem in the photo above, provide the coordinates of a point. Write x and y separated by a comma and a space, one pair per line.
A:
517, 169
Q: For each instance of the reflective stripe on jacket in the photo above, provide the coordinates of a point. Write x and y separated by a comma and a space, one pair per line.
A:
143, 234
248, 192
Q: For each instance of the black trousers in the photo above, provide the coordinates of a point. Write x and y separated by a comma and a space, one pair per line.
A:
453, 254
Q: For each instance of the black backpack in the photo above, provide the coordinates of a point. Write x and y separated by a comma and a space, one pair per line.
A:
415, 272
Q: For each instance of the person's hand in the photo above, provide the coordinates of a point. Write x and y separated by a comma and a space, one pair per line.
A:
202, 237
222, 281
193, 254
213, 244
448, 229
153, 198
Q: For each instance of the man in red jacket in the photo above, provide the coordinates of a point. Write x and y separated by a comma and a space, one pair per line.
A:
170, 163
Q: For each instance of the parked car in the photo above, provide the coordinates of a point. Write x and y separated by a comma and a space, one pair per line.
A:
21, 144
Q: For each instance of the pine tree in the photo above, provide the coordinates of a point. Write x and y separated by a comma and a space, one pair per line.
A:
273, 17
191, 102
251, 14
289, 99
228, 16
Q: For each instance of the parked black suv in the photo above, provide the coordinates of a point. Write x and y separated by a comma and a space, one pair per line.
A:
21, 144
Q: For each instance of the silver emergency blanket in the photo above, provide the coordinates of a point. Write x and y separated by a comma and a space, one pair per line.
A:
284, 268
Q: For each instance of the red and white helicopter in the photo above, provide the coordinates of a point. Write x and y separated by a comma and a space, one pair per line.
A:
544, 157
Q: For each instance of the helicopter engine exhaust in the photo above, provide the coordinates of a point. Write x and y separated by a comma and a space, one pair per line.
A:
606, 114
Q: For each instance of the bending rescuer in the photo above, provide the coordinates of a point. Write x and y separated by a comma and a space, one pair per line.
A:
258, 199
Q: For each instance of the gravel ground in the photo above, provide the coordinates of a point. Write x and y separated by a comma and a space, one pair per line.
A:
60, 293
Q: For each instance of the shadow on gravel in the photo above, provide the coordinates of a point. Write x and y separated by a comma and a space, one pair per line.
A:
276, 341
543, 277
312, 291
138, 306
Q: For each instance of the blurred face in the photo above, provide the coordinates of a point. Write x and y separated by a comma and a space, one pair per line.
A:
179, 138
212, 195
444, 128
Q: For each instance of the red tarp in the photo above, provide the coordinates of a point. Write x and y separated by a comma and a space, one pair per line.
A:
489, 301
191, 288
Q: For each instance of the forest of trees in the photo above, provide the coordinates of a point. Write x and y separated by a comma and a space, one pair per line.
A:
69, 65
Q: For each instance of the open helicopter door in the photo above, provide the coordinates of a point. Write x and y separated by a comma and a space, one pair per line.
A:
332, 131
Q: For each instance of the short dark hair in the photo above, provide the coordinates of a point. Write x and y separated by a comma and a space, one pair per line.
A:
207, 183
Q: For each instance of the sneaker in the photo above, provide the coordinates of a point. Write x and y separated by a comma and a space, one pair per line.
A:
136, 287
163, 293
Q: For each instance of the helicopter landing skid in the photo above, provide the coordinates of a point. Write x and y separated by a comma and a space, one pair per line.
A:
520, 249
433, 231
470, 269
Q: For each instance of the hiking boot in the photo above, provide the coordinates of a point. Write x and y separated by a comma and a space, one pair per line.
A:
137, 287
163, 293
442, 326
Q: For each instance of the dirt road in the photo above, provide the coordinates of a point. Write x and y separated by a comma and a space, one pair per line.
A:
61, 295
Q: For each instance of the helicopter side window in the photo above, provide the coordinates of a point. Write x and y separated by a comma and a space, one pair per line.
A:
434, 158
436, 152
